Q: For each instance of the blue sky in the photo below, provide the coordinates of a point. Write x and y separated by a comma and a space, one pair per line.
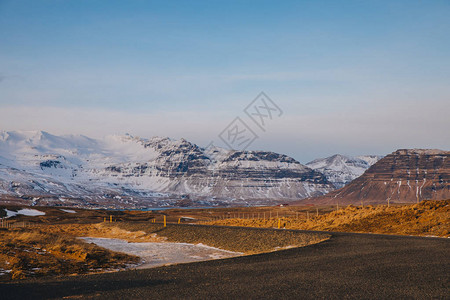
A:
352, 77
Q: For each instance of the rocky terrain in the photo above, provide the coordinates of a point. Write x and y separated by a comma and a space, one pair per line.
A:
39, 168
404, 176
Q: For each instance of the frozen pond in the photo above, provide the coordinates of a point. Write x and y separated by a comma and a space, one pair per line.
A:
160, 254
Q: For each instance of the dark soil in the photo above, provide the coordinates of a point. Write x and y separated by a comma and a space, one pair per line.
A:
233, 239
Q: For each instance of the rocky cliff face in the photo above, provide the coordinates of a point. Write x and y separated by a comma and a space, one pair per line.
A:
184, 168
406, 175
134, 172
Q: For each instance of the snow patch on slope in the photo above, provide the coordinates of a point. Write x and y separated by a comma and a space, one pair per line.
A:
25, 212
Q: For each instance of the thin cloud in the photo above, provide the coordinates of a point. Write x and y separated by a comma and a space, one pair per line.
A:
371, 130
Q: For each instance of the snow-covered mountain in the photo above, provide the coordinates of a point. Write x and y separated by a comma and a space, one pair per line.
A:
127, 171
340, 169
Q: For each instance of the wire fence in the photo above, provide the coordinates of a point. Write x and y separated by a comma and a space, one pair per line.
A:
201, 218
4, 223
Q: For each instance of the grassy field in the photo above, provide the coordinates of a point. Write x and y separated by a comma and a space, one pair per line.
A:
428, 218
57, 215
35, 252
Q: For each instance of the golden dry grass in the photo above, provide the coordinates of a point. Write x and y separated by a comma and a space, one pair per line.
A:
428, 218
32, 252
103, 230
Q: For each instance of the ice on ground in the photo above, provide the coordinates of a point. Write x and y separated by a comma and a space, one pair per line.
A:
25, 212
10, 213
160, 254
30, 212
69, 211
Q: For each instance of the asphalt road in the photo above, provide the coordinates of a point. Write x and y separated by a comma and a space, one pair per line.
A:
361, 266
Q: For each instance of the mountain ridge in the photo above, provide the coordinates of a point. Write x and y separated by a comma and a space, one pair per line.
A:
404, 176
132, 171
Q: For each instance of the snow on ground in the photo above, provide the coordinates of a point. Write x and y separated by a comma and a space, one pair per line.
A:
69, 211
10, 213
25, 212
30, 212
160, 254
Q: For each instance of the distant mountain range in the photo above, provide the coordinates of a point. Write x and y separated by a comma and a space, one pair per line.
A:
406, 175
39, 168
124, 171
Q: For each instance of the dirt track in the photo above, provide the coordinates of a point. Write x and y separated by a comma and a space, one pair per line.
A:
345, 266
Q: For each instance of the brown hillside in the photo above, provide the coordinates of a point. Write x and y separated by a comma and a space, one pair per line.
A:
405, 176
